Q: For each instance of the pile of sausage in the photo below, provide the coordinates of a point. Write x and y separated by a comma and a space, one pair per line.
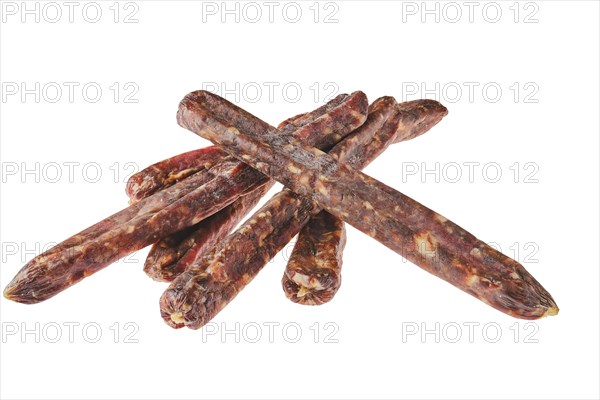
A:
186, 206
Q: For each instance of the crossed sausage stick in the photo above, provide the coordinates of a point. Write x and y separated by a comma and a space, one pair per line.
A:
419, 234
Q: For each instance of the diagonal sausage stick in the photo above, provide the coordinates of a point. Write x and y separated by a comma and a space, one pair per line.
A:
168, 211
412, 230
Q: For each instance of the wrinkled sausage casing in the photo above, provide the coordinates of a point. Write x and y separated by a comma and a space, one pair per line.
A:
169, 210
426, 238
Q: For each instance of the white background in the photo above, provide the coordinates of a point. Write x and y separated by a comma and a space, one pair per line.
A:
550, 214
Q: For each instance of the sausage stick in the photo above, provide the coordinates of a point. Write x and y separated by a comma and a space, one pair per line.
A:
412, 230
166, 212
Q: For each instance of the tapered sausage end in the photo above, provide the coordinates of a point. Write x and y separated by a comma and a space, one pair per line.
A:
519, 294
33, 284
420, 116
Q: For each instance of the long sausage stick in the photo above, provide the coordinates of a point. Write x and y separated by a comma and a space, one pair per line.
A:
419, 234
167, 211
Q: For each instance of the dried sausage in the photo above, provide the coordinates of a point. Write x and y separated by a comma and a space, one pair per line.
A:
409, 228
168, 211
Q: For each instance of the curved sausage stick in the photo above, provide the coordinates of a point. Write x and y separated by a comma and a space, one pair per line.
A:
313, 274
